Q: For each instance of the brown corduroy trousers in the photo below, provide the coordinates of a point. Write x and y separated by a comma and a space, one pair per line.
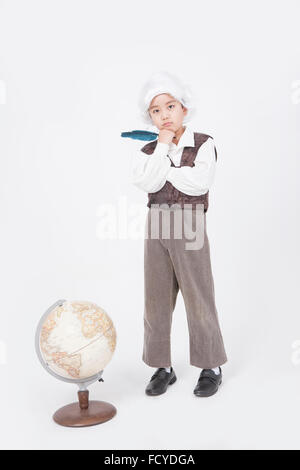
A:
177, 256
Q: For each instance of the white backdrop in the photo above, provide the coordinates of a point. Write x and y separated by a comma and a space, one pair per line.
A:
70, 72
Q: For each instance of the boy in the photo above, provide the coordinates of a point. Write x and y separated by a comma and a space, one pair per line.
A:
176, 171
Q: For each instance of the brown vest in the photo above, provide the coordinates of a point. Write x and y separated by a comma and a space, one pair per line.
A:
168, 194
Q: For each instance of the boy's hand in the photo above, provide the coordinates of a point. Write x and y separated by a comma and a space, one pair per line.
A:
166, 135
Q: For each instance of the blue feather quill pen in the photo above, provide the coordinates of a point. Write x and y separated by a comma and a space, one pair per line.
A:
140, 135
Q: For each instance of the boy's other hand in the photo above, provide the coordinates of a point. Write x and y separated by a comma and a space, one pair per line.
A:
166, 135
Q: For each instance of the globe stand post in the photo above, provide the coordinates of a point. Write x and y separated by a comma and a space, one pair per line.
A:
83, 397
84, 412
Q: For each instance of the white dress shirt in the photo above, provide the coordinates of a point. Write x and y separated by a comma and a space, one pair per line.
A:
150, 172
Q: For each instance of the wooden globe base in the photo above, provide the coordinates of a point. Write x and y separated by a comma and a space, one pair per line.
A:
84, 412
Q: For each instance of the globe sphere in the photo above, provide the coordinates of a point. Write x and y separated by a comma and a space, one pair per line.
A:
76, 340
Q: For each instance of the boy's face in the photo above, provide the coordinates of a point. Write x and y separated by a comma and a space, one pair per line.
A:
165, 108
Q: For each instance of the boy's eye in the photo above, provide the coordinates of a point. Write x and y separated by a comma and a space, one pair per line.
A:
158, 110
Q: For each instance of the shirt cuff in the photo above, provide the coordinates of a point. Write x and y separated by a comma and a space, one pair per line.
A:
161, 149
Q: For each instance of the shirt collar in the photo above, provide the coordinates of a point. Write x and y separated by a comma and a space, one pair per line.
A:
186, 139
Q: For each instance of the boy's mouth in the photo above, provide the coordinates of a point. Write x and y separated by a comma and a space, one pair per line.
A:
167, 124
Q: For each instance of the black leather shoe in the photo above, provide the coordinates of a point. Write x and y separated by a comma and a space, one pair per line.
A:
159, 381
208, 383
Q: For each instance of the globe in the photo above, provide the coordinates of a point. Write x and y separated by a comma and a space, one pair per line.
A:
75, 340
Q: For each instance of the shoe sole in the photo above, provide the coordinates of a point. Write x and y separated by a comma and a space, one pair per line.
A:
156, 394
203, 394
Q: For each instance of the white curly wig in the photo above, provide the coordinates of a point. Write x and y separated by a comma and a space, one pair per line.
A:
165, 82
